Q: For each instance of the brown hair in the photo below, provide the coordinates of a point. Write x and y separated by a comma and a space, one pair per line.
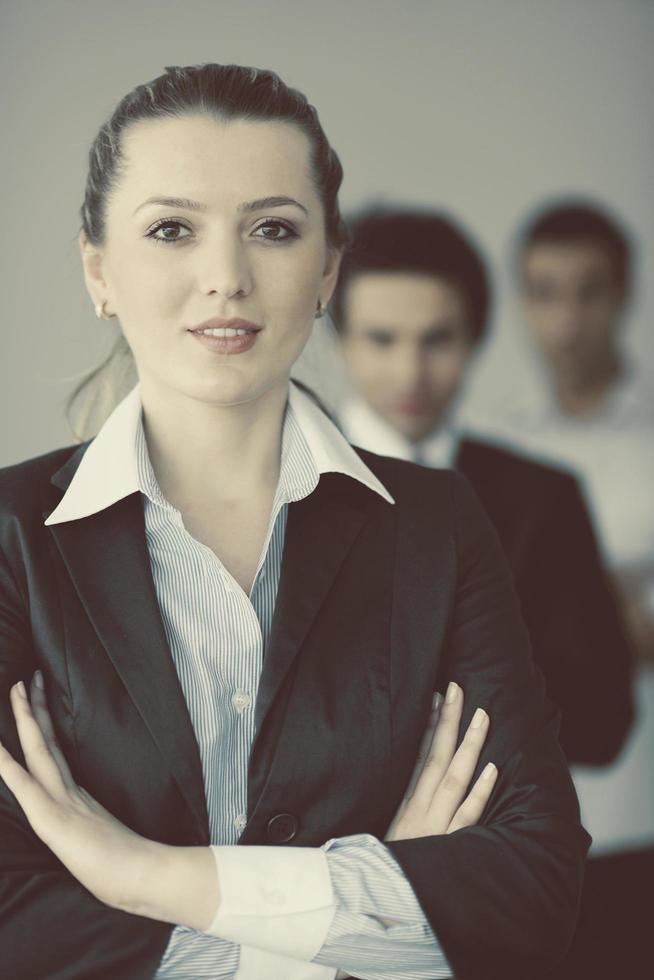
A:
573, 220
389, 239
224, 91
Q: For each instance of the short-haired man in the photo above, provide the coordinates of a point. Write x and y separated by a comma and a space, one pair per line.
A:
574, 262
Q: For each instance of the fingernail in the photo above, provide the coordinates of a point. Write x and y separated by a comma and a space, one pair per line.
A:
38, 680
478, 718
437, 700
20, 689
452, 691
489, 771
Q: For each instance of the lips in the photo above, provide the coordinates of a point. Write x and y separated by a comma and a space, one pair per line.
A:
411, 407
226, 336
218, 327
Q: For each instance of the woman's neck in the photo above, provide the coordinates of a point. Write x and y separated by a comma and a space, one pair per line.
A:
224, 453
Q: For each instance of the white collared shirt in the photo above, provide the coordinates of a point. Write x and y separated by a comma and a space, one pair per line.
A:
109, 469
366, 429
327, 903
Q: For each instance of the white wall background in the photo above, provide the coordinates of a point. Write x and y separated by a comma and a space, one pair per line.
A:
481, 106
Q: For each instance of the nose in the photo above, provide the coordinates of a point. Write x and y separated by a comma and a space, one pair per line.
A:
409, 366
568, 322
224, 269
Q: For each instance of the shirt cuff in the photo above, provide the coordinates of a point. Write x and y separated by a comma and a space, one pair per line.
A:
279, 899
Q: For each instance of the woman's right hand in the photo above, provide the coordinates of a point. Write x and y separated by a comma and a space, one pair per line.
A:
435, 801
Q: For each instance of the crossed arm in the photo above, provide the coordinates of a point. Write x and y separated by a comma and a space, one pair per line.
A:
499, 894
179, 884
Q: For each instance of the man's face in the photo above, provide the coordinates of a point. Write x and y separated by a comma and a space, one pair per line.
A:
406, 340
572, 300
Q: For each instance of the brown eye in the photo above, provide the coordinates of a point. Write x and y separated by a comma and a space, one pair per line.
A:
274, 231
168, 231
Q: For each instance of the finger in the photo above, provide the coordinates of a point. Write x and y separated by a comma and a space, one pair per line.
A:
32, 798
470, 811
423, 749
425, 744
454, 785
44, 721
38, 758
442, 747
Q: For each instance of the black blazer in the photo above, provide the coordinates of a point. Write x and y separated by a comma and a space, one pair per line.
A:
577, 634
378, 606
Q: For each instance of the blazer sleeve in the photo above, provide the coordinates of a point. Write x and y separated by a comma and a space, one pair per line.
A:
502, 896
577, 632
50, 925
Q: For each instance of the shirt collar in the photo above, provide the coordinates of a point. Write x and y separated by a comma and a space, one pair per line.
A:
110, 471
331, 451
367, 429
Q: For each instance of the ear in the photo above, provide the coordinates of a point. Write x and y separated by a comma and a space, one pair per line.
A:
330, 273
92, 263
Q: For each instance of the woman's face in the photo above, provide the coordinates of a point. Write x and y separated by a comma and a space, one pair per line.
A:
213, 221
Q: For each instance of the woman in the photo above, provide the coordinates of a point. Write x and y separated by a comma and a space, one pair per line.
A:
203, 686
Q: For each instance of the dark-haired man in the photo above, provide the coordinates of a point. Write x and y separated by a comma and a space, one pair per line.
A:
574, 271
411, 308
594, 413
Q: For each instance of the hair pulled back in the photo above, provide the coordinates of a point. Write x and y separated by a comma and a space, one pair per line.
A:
225, 92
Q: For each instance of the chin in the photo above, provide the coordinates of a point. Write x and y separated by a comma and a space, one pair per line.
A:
236, 388
416, 429
567, 366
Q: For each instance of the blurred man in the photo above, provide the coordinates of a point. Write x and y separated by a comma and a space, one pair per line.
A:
574, 270
411, 308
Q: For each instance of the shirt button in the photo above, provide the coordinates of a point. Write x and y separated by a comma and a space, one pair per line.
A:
275, 898
282, 828
240, 821
241, 700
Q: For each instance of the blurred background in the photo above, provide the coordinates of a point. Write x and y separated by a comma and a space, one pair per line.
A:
484, 108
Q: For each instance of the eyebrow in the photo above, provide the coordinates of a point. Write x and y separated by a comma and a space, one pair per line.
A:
261, 204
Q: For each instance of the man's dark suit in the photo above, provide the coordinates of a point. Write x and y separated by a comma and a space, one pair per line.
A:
577, 635
378, 606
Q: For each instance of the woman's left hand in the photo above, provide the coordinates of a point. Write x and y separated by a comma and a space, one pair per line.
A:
121, 868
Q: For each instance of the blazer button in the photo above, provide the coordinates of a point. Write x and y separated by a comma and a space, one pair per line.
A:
282, 828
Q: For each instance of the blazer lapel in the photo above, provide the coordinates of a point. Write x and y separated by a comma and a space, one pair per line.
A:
320, 531
107, 559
